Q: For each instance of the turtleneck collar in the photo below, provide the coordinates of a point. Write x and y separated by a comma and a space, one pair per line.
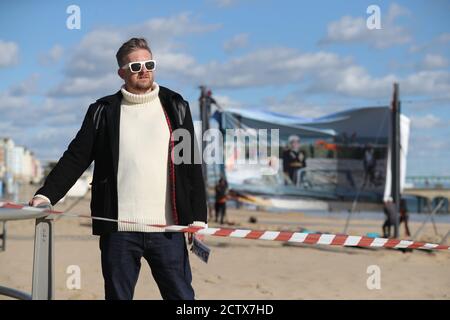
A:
133, 98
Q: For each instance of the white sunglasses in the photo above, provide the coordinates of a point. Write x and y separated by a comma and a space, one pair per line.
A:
136, 66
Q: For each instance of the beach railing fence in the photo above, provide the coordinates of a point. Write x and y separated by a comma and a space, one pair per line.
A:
43, 260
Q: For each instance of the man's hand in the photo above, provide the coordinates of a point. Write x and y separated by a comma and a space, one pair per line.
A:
195, 224
36, 201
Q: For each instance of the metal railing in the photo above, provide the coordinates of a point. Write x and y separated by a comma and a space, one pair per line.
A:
43, 259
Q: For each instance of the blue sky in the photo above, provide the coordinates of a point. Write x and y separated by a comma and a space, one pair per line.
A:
306, 58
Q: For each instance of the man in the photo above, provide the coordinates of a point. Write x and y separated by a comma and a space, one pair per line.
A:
404, 216
389, 212
129, 136
294, 159
221, 199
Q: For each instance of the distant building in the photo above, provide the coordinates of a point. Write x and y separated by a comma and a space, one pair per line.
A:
7, 145
2, 160
18, 162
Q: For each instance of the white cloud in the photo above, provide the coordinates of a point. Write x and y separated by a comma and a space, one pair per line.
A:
50, 142
428, 121
318, 73
426, 83
8, 101
96, 52
87, 86
439, 41
90, 73
16, 96
20, 114
355, 81
443, 38
9, 53
225, 3
236, 42
227, 102
354, 30
52, 56
295, 104
271, 66
27, 87
425, 144
167, 27
174, 63
433, 61
95, 55
395, 11
91, 69
45, 127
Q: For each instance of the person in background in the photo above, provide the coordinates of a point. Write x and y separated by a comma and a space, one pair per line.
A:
389, 211
221, 199
404, 217
294, 159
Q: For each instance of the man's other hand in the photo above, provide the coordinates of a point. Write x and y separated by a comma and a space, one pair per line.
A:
36, 201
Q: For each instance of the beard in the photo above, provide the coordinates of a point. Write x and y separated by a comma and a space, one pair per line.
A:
144, 84
140, 84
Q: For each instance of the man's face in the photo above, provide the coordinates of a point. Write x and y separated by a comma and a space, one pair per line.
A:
139, 82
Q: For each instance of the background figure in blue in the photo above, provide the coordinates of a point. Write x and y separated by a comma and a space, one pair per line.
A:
293, 160
221, 199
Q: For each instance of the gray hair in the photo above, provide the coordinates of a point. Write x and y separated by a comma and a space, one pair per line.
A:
129, 46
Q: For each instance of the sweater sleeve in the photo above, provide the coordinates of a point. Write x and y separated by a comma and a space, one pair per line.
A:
41, 196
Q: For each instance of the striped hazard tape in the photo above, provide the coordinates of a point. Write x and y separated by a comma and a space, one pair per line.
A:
286, 236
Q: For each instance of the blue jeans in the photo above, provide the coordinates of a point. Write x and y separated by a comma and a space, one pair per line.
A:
166, 254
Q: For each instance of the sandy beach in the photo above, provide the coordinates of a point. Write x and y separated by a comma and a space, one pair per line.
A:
246, 269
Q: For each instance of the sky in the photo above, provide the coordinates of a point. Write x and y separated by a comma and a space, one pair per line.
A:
306, 58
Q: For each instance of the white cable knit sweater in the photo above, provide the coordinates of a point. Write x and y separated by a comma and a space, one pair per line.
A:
143, 176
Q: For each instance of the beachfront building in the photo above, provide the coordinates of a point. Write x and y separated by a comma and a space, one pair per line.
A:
7, 145
18, 163
2, 161
36, 170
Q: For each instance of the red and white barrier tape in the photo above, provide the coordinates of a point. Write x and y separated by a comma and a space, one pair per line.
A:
297, 237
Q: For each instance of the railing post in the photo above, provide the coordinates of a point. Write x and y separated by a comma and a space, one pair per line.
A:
43, 263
